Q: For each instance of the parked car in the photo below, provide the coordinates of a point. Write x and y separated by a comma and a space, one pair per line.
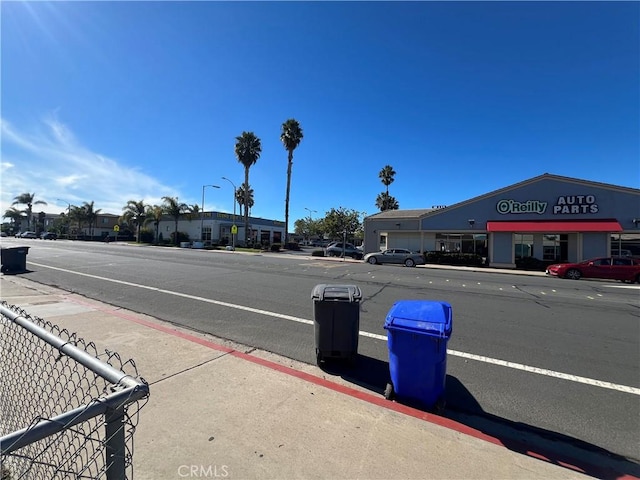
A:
400, 256
27, 235
49, 236
336, 249
613, 268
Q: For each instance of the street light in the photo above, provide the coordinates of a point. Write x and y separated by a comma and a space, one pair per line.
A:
309, 224
202, 213
233, 235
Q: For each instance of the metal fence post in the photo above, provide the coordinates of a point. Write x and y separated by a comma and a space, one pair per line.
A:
115, 444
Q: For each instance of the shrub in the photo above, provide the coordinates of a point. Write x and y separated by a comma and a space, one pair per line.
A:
532, 264
292, 246
275, 247
317, 253
453, 258
147, 235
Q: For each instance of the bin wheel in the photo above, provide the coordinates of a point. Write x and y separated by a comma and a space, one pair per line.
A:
438, 408
318, 357
389, 394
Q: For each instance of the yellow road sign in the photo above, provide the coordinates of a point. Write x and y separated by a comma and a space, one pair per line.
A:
234, 229
116, 228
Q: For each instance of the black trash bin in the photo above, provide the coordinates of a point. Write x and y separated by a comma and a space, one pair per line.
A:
336, 310
14, 259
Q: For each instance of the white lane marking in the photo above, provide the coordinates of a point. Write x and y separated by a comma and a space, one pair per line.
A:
470, 356
634, 287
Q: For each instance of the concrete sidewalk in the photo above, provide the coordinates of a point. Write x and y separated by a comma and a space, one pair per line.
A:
222, 410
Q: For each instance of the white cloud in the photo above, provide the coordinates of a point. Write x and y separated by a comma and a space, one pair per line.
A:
55, 166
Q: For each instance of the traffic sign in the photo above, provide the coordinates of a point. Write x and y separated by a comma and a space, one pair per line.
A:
234, 229
116, 228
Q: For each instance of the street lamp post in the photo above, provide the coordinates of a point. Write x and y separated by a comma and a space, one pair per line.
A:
309, 223
233, 235
202, 213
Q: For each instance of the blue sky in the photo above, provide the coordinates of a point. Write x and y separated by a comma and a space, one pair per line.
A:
114, 101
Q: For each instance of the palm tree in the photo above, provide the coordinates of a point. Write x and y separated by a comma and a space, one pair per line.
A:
91, 215
15, 216
290, 137
386, 176
384, 201
28, 200
78, 214
240, 197
135, 211
247, 150
154, 215
174, 209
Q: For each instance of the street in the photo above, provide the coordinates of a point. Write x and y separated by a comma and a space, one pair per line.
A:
527, 353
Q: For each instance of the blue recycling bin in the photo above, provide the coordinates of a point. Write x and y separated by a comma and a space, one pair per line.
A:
417, 335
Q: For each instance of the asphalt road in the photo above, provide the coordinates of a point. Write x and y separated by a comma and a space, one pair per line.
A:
528, 353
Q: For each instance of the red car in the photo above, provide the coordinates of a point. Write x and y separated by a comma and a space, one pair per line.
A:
611, 268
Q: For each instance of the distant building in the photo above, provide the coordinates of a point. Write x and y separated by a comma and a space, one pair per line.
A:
216, 228
548, 217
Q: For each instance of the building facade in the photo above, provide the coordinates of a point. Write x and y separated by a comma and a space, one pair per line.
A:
216, 228
548, 217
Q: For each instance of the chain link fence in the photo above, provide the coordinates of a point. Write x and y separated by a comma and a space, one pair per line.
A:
66, 411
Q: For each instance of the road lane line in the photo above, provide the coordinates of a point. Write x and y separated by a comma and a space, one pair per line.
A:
469, 356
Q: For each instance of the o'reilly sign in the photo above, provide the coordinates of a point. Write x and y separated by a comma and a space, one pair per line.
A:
566, 204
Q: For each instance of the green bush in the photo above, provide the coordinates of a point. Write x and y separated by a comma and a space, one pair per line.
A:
275, 247
147, 235
532, 264
453, 258
317, 253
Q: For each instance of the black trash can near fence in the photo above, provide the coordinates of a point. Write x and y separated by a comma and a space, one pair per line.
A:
14, 259
336, 310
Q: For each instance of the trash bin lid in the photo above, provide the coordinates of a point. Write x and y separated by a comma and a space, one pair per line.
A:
430, 317
336, 292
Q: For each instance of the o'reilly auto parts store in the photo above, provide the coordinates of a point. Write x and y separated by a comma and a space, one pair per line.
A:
549, 218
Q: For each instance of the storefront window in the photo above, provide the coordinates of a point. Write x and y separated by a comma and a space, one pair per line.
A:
523, 245
625, 245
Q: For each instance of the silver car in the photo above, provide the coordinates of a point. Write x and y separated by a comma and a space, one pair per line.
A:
401, 256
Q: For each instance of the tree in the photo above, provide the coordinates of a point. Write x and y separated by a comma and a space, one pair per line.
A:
290, 137
154, 215
174, 209
78, 214
338, 222
386, 176
15, 216
247, 150
384, 202
28, 200
91, 215
135, 211
240, 193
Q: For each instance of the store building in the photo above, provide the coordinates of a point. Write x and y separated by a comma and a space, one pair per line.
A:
547, 217
216, 228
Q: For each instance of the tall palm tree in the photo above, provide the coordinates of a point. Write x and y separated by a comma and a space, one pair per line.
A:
15, 215
247, 150
290, 137
28, 200
154, 215
135, 211
91, 215
386, 176
240, 193
175, 209
384, 201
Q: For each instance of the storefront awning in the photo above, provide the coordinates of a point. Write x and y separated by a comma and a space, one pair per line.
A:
556, 227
